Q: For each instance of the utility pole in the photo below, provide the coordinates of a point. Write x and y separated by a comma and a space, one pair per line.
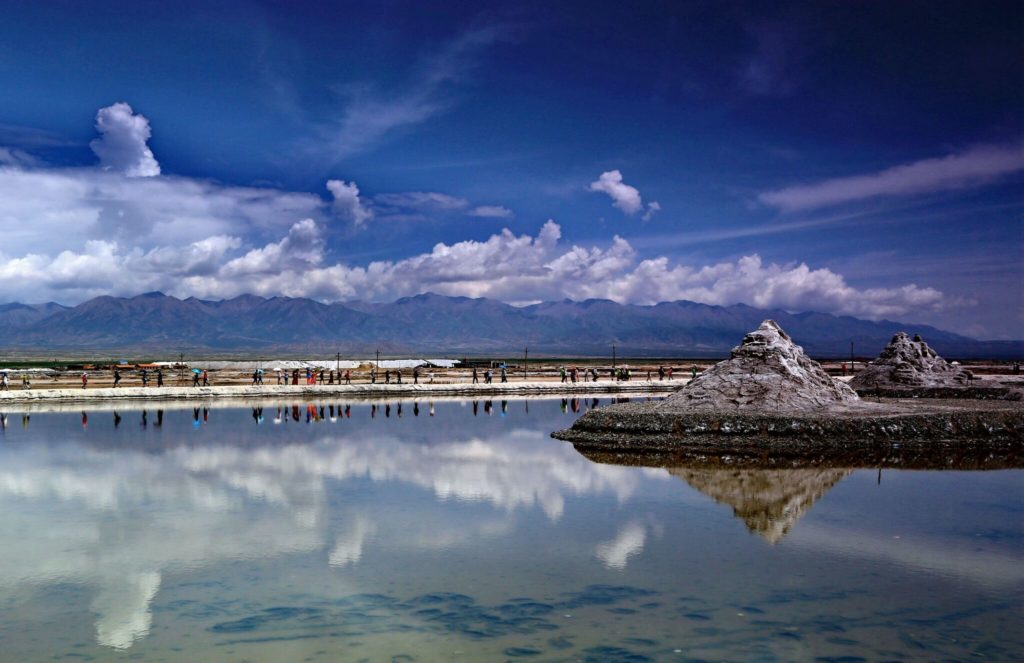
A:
378, 360
851, 357
526, 358
613, 356
338, 365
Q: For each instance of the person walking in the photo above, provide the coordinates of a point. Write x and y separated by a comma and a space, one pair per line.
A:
661, 373
321, 377
159, 377
476, 378
387, 376
416, 375
693, 371
4, 383
504, 375
117, 378
206, 378
195, 378
85, 379
398, 377
670, 373
561, 372
348, 377
255, 377
145, 378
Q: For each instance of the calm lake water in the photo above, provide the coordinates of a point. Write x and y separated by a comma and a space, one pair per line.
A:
461, 531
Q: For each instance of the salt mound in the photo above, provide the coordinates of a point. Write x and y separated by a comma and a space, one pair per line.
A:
906, 363
766, 372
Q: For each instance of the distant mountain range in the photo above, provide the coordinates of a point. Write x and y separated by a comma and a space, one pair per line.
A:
433, 324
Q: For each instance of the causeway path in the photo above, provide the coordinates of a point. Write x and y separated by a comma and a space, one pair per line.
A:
327, 391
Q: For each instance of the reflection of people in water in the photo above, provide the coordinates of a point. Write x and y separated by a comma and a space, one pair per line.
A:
387, 410
195, 416
398, 412
117, 419
145, 419
295, 413
504, 407
85, 420
25, 418
206, 415
373, 411
416, 409
488, 407
475, 407
159, 418
257, 415
575, 405
431, 408
565, 405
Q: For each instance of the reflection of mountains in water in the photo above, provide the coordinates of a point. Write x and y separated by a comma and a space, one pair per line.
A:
769, 502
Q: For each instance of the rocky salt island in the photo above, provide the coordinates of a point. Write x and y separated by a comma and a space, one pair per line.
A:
769, 404
908, 368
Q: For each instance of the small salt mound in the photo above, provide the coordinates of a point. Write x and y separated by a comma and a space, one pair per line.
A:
906, 363
766, 372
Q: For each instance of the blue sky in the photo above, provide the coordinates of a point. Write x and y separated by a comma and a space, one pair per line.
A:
855, 158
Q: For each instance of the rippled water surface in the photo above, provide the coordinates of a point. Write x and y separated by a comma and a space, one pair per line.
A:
461, 531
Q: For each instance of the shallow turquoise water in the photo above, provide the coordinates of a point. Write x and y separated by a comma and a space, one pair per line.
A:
450, 531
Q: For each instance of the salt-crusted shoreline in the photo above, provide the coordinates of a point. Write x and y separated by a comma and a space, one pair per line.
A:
270, 391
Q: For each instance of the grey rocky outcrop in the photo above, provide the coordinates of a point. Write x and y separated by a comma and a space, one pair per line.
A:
766, 372
907, 364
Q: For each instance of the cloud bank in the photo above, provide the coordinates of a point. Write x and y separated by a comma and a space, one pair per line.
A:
504, 266
122, 228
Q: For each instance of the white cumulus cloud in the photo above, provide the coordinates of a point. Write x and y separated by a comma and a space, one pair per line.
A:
347, 201
122, 143
505, 266
625, 197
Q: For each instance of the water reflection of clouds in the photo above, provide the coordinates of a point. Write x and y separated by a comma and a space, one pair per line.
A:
117, 519
965, 562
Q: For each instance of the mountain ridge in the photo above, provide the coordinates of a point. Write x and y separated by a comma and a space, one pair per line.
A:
434, 323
